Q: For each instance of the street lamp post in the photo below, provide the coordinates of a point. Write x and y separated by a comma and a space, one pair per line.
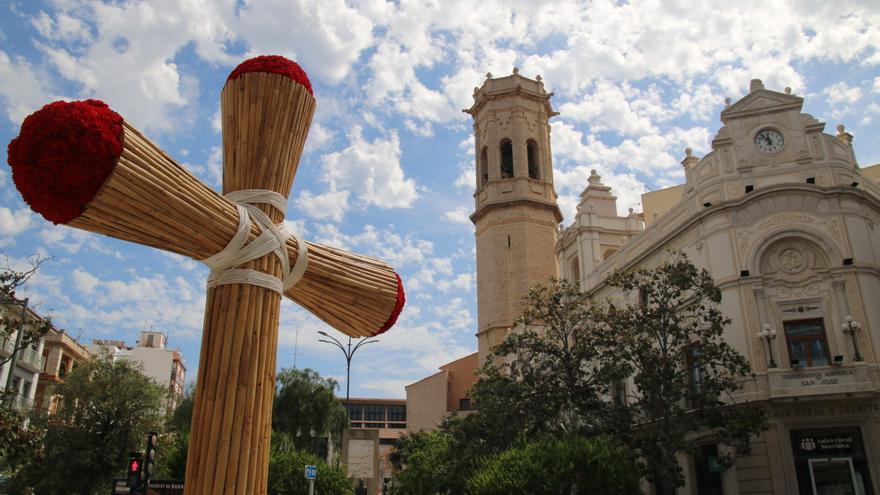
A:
18, 336
768, 335
851, 327
349, 352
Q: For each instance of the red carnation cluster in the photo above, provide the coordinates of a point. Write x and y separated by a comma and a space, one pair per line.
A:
62, 156
275, 64
398, 307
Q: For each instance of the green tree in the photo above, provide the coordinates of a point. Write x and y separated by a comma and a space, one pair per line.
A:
286, 471
306, 408
426, 464
549, 377
171, 457
668, 333
552, 466
107, 407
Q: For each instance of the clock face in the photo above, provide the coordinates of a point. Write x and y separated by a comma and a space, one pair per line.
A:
769, 141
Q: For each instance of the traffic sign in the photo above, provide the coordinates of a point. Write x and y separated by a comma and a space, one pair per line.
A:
311, 472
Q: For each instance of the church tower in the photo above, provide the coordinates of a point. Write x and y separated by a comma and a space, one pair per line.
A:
515, 215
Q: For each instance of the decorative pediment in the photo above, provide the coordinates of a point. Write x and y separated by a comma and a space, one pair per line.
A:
760, 102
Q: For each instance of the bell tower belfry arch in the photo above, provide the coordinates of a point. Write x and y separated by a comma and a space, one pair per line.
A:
516, 215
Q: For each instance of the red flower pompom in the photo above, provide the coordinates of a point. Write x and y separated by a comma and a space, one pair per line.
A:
275, 64
398, 307
62, 156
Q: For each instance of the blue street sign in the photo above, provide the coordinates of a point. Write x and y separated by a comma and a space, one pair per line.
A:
311, 472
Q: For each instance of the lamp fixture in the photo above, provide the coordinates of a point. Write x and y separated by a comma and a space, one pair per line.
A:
768, 335
851, 327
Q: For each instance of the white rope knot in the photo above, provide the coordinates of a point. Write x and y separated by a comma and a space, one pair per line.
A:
272, 239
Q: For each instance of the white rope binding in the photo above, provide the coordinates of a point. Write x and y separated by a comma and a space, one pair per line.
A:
272, 239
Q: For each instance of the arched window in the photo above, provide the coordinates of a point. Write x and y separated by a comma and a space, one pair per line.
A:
506, 159
575, 270
484, 166
608, 253
532, 153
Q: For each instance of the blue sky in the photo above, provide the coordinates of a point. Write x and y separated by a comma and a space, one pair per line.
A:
388, 167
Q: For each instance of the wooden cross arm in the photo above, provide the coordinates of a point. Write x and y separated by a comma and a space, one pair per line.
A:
82, 165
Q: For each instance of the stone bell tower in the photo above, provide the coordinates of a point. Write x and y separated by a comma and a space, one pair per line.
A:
516, 215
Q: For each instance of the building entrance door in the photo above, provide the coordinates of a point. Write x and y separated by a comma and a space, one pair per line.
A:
833, 476
831, 461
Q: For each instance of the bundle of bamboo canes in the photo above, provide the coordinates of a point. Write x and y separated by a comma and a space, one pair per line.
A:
82, 165
148, 198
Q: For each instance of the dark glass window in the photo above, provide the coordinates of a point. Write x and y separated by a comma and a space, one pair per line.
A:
695, 376
375, 412
484, 166
506, 159
464, 404
355, 412
708, 468
396, 413
532, 152
806, 342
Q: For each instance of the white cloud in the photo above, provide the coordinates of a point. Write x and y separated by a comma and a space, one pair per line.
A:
325, 37
459, 215
23, 87
619, 108
423, 130
461, 282
842, 93
330, 205
130, 60
370, 171
84, 281
15, 222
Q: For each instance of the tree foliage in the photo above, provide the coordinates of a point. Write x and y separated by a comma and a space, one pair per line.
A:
306, 408
286, 465
107, 407
552, 466
426, 463
558, 374
668, 332
549, 376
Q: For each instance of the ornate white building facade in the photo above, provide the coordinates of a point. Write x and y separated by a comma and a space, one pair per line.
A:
781, 215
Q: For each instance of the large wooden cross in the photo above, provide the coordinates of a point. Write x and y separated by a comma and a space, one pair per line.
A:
82, 165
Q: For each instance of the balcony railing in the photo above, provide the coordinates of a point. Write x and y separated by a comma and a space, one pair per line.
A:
27, 356
18, 401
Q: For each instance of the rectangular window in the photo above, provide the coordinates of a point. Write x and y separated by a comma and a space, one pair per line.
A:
375, 412
464, 404
355, 412
396, 413
708, 468
695, 376
806, 342
618, 391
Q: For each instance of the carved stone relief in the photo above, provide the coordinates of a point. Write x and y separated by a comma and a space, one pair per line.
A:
792, 259
789, 292
745, 235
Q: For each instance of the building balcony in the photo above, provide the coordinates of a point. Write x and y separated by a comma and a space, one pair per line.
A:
21, 402
27, 358
849, 380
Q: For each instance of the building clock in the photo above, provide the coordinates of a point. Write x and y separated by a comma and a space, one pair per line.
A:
769, 141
